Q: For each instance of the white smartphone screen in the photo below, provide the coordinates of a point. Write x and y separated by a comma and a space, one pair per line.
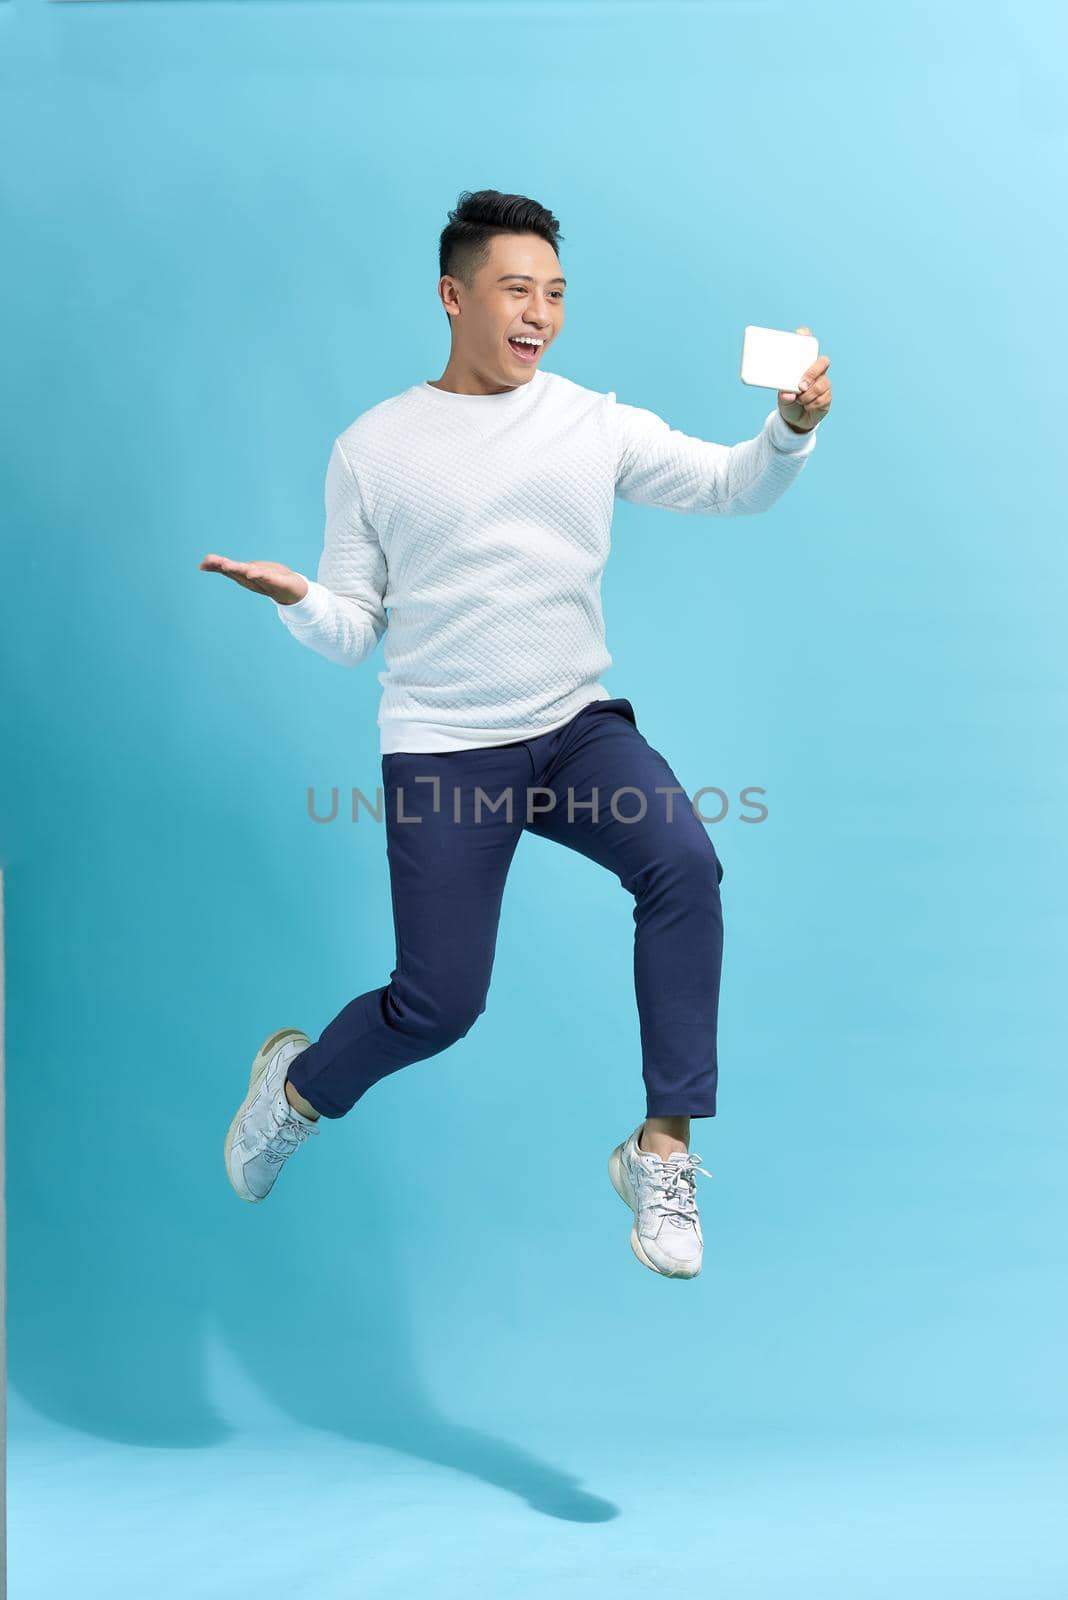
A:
772, 359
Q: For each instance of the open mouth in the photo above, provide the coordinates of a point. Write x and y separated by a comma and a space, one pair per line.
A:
524, 351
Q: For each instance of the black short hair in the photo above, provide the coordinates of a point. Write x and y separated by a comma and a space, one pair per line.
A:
465, 241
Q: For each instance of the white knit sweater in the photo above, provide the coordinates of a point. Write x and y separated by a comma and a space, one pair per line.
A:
472, 530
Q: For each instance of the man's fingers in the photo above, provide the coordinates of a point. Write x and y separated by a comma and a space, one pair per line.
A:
229, 569
817, 370
809, 392
261, 577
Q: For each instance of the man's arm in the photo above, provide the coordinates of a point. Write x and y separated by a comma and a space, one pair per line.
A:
657, 465
342, 615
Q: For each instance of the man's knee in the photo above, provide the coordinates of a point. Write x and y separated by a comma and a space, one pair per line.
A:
458, 1020
442, 1020
695, 869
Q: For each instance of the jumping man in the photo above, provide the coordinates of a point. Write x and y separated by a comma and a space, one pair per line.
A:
468, 522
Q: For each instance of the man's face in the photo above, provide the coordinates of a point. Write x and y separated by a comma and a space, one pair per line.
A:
519, 290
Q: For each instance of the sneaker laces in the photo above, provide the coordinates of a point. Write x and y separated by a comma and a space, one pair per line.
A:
674, 1186
289, 1134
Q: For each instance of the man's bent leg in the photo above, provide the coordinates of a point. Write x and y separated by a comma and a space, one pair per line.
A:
664, 857
449, 852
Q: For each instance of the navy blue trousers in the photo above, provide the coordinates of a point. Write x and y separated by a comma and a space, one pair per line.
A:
453, 821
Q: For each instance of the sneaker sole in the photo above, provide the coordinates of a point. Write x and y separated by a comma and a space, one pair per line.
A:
621, 1184
260, 1063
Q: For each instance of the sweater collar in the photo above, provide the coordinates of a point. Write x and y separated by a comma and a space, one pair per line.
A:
487, 402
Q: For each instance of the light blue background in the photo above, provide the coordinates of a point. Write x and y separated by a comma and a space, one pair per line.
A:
431, 1361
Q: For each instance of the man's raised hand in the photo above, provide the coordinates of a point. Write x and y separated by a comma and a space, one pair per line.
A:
264, 577
801, 409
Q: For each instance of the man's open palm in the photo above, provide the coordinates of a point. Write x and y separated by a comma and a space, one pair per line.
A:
264, 577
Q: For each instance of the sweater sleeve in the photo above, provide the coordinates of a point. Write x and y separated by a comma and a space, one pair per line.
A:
657, 465
342, 615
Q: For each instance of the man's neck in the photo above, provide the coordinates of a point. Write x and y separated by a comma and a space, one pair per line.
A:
460, 379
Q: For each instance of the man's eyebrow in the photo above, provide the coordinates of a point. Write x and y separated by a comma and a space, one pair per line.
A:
527, 278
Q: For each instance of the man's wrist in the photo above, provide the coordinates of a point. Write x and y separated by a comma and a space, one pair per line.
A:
787, 439
309, 608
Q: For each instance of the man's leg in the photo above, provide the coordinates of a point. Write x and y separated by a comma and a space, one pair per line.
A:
661, 1135
305, 1107
447, 875
666, 860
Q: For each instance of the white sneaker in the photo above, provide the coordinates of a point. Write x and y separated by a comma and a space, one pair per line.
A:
266, 1128
666, 1235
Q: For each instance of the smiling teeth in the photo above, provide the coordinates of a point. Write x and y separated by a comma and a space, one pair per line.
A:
521, 338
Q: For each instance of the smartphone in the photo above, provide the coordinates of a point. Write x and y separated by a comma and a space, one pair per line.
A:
772, 359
